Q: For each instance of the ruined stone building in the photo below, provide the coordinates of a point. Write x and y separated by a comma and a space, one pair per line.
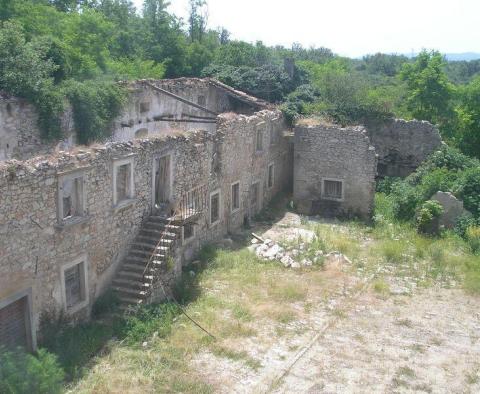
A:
189, 161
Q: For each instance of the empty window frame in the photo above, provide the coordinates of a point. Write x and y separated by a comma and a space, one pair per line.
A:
215, 202
75, 285
123, 185
71, 197
259, 140
144, 106
201, 100
274, 136
188, 232
332, 189
271, 175
235, 197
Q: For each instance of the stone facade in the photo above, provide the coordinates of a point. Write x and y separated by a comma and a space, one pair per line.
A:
20, 137
154, 107
402, 145
37, 246
334, 171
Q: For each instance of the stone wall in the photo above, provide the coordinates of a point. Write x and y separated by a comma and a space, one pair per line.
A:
34, 246
402, 145
153, 112
325, 156
20, 137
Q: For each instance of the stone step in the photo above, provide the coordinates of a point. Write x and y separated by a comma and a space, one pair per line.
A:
130, 300
161, 226
131, 282
156, 234
132, 275
147, 249
154, 240
139, 294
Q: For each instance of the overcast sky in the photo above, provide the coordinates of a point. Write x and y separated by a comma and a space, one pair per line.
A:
350, 27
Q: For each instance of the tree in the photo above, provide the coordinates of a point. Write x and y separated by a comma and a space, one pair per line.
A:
197, 19
468, 132
429, 92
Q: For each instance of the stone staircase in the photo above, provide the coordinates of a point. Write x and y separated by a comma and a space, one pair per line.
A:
155, 243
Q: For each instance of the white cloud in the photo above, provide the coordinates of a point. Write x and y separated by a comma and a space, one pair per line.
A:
350, 27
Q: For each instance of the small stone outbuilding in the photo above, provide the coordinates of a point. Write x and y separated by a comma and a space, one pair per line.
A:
334, 171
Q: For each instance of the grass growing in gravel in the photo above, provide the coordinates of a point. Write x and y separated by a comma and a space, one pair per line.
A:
229, 295
241, 299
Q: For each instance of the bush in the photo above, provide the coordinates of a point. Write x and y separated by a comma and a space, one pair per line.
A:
427, 217
385, 185
75, 346
405, 200
21, 372
473, 238
95, 105
106, 303
469, 190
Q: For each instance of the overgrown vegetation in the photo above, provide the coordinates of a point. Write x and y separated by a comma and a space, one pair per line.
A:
23, 373
51, 50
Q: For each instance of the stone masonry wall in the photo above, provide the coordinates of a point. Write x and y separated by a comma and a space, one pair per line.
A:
336, 154
20, 137
34, 248
402, 145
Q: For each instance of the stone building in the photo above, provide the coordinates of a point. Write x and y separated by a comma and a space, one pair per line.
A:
334, 171
188, 162
72, 222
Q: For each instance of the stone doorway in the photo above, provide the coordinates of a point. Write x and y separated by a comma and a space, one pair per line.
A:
163, 184
254, 199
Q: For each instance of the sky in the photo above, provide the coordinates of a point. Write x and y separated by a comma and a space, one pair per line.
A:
350, 27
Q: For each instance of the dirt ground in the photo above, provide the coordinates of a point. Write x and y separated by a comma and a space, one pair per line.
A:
354, 340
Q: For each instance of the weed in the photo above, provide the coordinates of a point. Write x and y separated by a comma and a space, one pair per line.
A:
381, 287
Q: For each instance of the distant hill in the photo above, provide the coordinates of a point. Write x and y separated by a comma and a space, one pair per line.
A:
453, 57
462, 56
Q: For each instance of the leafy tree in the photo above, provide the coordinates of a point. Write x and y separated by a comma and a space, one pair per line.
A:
197, 19
26, 71
468, 133
381, 63
429, 92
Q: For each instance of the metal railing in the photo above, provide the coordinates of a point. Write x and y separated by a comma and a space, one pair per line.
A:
189, 207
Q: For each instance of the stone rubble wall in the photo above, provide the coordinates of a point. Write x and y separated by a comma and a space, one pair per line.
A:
33, 247
402, 145
20, 137
332, 152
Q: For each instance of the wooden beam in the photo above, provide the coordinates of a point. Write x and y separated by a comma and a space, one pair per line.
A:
183, 100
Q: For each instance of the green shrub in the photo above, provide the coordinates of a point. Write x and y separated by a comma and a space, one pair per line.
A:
95, 105
463, 223
472, 236
75, 346
427, 216
469, 190
21, 372
405, 200
385, 185
106, 303
155, 318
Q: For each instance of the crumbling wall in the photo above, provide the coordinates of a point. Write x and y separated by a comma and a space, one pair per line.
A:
402, 145
34, 246
20, 137
337, 155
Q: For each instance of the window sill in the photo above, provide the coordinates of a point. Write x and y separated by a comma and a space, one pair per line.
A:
125, 204
72, 222
333, 199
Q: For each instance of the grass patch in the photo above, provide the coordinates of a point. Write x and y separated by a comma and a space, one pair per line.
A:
381, 287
